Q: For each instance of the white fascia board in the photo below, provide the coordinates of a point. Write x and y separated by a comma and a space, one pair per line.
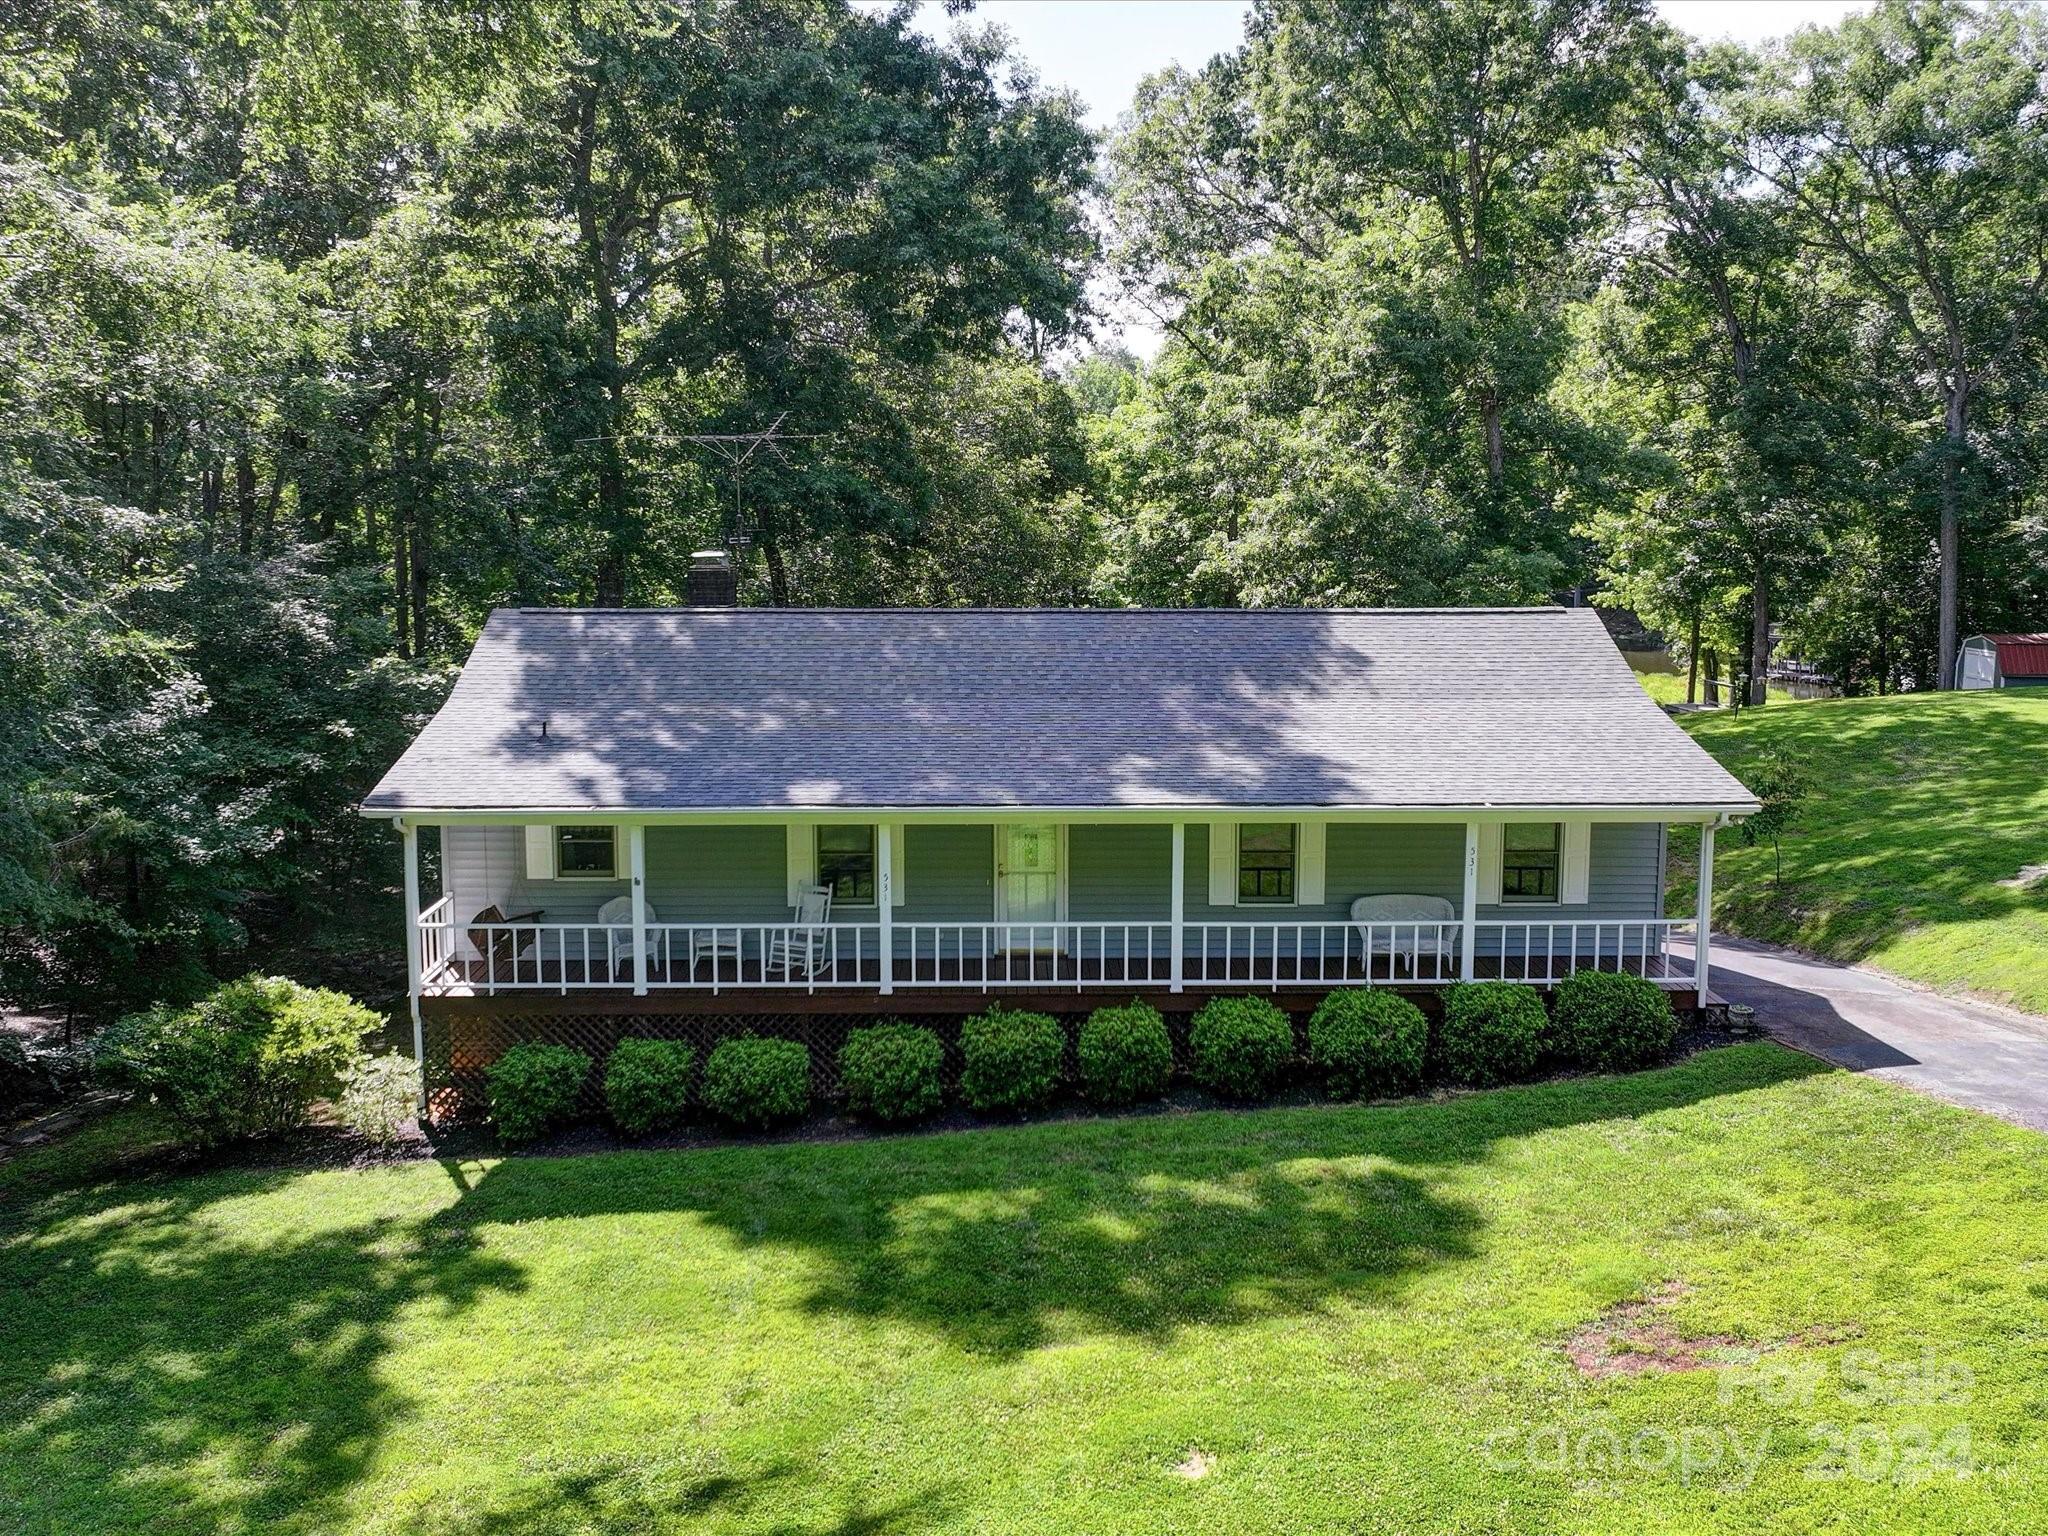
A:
940, 815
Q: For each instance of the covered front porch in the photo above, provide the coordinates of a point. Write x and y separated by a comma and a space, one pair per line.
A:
724, 906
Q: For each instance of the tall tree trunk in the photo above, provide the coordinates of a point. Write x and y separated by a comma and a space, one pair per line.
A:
778, 574
401, 584
420, 541
1692, 659
1496, 452
209, 503
1759, 636
1713, 677
1954, 429
245, 502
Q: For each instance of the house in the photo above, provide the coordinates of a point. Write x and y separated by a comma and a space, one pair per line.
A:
716, 813
2003, 661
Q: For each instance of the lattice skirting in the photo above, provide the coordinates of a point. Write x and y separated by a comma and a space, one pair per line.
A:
459, 1046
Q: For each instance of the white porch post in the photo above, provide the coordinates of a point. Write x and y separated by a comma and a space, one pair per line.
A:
885, 901
1702, 940
1469, 939
1180, 900
409, 842
636, 863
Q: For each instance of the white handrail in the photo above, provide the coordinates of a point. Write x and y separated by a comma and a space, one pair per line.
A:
1067, 955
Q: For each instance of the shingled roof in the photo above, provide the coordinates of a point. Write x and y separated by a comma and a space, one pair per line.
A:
568, 710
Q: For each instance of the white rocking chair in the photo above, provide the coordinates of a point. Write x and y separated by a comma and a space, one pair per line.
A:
801, 948
616, 914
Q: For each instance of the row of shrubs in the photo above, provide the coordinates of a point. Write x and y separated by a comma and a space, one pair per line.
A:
1360, 1044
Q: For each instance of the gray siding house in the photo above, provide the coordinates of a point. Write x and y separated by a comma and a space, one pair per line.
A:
841, 807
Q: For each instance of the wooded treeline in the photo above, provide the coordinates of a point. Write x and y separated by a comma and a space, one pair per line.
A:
327, 327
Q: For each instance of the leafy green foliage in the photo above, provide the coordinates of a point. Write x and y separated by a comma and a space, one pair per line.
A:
1780, 785
893, 1072
1611, 1022
249, 1059
380, 1097
1491, 1032
1240, 1047
647, 1084
1365, 1042
1010, 1060
1124, 1055
758, 1081
534, 1088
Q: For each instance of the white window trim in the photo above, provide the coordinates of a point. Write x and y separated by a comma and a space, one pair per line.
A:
555, 832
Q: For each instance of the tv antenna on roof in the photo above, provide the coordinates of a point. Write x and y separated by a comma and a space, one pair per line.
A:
740, 450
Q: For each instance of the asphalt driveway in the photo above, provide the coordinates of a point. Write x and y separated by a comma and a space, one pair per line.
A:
1967, 1053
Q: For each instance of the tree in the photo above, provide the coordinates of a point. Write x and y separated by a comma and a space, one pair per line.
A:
757, 203
1909, 144
1366, 226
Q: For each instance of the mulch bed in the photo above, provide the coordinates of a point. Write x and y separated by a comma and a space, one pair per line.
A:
324, 1146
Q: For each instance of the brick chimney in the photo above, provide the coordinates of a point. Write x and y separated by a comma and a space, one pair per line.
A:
712, 582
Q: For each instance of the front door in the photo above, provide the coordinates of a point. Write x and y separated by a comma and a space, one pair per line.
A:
1028, 876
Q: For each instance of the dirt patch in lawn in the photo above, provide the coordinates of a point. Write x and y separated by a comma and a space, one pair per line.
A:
1637, 1336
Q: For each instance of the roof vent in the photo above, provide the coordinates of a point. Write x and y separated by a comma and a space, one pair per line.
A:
712, 582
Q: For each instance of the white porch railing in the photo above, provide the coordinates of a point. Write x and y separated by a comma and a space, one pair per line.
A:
437, 939
1312, 954
488, 958
1546, 952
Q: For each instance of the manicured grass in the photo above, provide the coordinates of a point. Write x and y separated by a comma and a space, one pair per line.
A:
1328, 1311
1919, 806
1664, 687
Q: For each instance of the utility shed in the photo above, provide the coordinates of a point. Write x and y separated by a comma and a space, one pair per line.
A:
2003, 661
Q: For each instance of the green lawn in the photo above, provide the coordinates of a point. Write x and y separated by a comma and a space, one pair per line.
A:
1920, 805
1332, 1313
1664, 687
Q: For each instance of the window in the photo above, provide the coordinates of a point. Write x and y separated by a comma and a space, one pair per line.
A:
846, 862
1265, 863
586, 853
1528, 861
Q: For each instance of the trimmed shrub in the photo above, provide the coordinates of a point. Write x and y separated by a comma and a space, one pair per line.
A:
892, 1072
380, 1097
1124, 1054
248, 1059
647, 1084
1365, 1042
755, 1081
1611, 1022
1240, 1047
1492, 1032
1010, 1060
533, 1089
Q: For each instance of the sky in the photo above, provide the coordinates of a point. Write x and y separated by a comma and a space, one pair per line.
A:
1101, 49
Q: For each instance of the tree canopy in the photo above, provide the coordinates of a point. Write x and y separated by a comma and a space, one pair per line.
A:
326, 328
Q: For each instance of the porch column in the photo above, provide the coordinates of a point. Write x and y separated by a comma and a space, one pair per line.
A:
409, 843
1469, 940
636, 865
1702, 940
885, 901
1180, 899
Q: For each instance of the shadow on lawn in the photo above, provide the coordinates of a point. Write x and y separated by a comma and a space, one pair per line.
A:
1955, 780
627, 1497
1000, 1241
158, 1375
174, 1366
